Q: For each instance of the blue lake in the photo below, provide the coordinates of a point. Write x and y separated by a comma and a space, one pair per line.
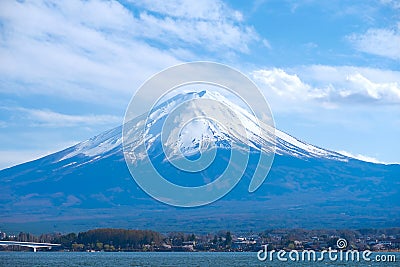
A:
22, 259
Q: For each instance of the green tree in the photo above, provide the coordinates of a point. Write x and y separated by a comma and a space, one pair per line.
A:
228, 239
77, 247
191, 237
215, 240
99, 245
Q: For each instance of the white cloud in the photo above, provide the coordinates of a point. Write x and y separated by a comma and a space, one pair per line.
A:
45, 117
211, 25
361, 86
361, 157
282, 83
323, 74
331, 86
66, 49
99, 51
192, 9
266, 43
393, 3
380, 42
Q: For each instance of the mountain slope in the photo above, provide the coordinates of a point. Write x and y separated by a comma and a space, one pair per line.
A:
89, 185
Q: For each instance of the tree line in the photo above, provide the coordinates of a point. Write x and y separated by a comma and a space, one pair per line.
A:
110, 239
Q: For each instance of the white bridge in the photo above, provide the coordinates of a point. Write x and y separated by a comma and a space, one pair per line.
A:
33, 245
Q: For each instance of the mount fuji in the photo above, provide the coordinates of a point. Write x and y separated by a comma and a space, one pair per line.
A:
89, 185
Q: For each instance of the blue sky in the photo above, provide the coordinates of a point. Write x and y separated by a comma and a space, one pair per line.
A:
329, 69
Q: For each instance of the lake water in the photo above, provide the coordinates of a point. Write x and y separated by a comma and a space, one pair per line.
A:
22, 259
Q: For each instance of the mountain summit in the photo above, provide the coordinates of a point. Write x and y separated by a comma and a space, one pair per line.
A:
89, 185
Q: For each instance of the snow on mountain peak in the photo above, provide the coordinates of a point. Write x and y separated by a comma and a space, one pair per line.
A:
201, 133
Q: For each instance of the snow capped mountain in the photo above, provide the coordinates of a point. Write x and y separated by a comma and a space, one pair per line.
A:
200, 134
88, 185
